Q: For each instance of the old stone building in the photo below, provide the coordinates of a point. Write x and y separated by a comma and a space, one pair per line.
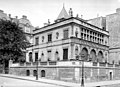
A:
67, 38
59, 49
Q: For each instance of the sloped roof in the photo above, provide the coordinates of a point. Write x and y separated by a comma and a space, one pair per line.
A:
63, 14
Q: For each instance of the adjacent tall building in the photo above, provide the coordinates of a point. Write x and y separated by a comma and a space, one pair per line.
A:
23, 22
113, 26
111, 23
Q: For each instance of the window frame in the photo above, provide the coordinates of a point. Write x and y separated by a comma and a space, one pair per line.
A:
36, 40
50, 37
65, 35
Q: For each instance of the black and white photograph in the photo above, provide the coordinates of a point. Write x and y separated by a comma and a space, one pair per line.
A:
59, 43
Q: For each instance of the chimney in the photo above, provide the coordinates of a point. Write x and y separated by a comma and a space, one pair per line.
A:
16, 17
45, 24
48, 21
9, 15
25, 17
77, 16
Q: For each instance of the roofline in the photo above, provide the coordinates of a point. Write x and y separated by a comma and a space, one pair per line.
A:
52, 24
72, 18
111, 14
90, 24
95, 18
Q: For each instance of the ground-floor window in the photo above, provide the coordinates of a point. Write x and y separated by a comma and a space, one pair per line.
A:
42, 73
27, 72
34, 72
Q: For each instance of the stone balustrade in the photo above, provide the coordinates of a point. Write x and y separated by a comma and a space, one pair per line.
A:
65, 63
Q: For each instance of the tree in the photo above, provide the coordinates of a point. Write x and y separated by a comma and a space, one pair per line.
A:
13, 42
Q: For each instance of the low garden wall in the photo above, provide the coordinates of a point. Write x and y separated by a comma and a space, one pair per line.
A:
72, 73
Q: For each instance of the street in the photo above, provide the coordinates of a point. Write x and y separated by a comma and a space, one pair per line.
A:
7, 80
11, 82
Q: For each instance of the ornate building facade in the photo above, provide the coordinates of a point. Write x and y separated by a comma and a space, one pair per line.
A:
58, 49
67, 39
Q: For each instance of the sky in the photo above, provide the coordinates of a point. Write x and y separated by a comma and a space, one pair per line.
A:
39, 11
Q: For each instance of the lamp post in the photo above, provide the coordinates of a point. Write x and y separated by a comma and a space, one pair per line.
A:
37, 69
82, 80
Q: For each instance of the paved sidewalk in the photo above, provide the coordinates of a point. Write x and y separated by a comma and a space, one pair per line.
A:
61, 83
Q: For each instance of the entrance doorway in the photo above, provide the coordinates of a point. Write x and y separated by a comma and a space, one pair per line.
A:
42, 73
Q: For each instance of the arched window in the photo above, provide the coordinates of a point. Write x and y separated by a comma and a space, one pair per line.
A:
100, 56
27, 72
42, 73
34, 72
93, 55
85, 53
30, 57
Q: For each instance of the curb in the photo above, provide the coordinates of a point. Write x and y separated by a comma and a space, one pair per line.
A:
14, 77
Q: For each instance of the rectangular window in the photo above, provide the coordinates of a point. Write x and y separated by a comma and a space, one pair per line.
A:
49, 37
36, 40
65, 34
36, 56
65, 54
